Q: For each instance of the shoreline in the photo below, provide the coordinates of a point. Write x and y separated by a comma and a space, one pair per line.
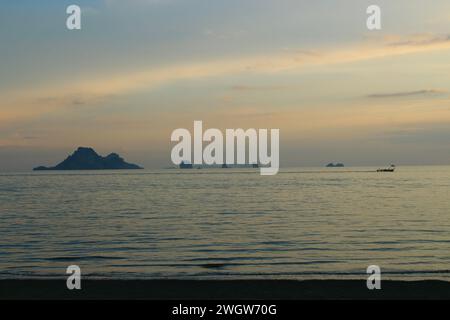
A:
223, 290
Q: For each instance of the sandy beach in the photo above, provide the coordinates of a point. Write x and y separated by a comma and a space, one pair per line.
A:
234, 290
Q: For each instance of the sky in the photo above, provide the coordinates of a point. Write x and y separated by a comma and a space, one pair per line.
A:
139, 69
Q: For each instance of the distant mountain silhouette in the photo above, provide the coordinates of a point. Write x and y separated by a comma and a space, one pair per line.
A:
88, 159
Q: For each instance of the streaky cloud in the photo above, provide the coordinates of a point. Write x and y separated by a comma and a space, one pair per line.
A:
148, 78
421, 40
244, 88
406, 94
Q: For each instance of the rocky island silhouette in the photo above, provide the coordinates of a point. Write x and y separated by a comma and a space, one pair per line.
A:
87, 159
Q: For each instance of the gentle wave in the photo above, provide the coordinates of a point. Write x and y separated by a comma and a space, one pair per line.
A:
301, 223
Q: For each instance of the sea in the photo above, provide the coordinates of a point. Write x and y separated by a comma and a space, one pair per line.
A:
303, 223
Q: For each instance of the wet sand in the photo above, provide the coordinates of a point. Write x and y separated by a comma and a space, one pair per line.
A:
226, 289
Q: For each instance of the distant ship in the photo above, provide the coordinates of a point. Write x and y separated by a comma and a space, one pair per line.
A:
184, 165
390, 169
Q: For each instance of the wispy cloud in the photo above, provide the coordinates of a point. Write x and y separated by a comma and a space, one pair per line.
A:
406, 94
15, 104
246, 88
419, 40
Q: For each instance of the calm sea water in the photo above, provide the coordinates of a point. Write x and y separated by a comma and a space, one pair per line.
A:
227, 224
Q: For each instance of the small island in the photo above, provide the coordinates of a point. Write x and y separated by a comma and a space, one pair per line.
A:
335, 165
87, 159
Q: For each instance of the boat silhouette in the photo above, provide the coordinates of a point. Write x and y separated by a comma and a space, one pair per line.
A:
390, 169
